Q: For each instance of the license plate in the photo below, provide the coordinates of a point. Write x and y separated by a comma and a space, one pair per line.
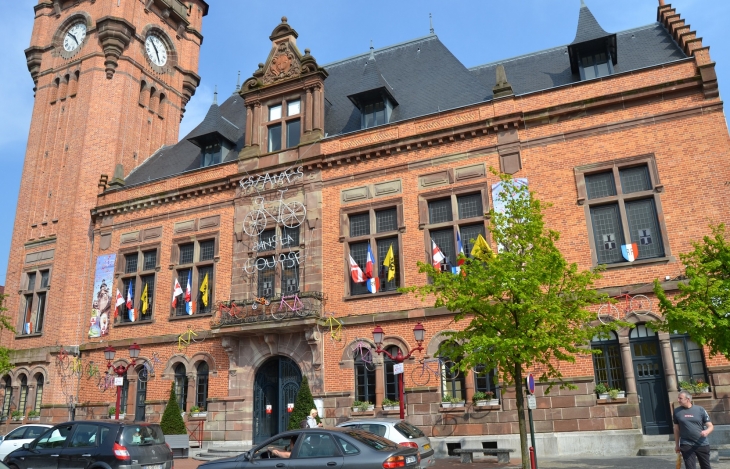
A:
153, 466
426, 447
410, 459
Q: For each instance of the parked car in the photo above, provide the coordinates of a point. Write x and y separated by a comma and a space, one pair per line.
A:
399, 431
336, 448
22, 434
82, 444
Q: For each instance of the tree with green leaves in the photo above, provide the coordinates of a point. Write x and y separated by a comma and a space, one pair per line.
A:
303, 404
5, 323
701, 309
525, 308
172, 422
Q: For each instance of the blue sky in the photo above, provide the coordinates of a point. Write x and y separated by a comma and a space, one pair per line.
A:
236, 38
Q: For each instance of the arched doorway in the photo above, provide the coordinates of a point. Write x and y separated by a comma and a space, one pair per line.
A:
276, 384
650, 381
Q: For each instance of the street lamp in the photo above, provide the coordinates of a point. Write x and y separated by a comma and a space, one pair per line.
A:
120, 370
418, 332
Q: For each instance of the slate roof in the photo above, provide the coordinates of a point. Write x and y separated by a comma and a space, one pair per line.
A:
588, 28
425, 78
639, 48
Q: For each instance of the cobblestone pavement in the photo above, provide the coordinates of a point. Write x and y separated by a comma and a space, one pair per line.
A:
643, 462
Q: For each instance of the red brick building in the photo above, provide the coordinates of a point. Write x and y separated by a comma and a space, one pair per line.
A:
307, 167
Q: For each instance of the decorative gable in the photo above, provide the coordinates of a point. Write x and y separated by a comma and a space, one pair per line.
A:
285, 64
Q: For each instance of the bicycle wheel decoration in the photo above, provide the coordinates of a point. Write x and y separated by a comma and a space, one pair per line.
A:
293, 214
608, 313
421, 375
640, 305
280, 312
306, 307
254, 222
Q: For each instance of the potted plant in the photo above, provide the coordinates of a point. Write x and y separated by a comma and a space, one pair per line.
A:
694, 387
446, 400
17, 415
362, 406
196, 411
700, 386
612, 394
34, 415
113, 411
389, 404
484, 398
602, 390
457, 402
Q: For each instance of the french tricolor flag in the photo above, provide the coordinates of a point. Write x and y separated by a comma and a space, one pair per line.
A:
460, 250
130, 303
373, 282
188, 296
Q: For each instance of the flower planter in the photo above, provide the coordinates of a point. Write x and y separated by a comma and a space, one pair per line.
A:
481, 403
621, 395
358, 409
199, 414
391, 407
18, 419
493, 402
121, 417
34, 419
458, 404
603, 395
446, 405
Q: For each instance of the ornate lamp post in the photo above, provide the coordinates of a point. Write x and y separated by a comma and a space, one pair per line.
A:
378, 334
120, 370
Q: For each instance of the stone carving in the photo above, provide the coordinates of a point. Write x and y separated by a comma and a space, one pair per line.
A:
114, 36
285, 64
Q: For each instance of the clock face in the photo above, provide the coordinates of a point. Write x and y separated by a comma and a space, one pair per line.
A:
74, 37
156, 50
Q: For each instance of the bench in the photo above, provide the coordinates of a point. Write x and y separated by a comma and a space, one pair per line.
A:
467, 454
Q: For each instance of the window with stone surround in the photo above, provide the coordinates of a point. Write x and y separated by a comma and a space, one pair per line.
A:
39, 380
595, 64
34, 300
194, 264
452, 381
277, 249
452, 214
283, 128
364, 380
622, 204
7, 397
181, 386
607, 365
23, 393
201, 385
378, 226
689, 362
140, 266
390, 379
485, 380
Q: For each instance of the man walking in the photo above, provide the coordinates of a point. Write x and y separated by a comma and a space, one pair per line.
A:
691, 427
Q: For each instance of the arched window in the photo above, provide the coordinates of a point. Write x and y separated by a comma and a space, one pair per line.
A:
38, 392
607, 365
484, 380
23, 393
452, 381
364, 379
8, 398
391, 380
181, 386
688, 360
201, 386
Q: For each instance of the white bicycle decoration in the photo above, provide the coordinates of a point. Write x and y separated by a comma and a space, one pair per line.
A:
291, 215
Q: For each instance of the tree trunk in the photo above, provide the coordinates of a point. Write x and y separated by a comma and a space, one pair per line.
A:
521, 416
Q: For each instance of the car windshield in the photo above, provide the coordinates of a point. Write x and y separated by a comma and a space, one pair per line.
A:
141, 435
373, 441
408, 430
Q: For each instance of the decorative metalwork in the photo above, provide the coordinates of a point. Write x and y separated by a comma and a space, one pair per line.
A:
290, 214
242, 312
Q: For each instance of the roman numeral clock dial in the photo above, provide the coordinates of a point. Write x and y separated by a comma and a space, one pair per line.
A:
74, 37
156, 50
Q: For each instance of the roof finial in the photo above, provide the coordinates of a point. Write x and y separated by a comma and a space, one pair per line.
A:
238, 81
430, 22
215, 95
583, 4
372, 51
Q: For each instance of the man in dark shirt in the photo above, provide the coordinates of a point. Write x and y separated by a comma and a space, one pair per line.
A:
691, 427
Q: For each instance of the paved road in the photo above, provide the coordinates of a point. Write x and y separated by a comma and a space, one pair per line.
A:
643, 462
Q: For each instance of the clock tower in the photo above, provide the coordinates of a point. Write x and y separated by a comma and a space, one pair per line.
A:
112, 78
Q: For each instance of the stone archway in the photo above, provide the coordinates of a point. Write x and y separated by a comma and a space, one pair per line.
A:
276, 384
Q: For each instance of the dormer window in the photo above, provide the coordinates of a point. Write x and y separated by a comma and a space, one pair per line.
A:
211, 154
595, 65
373, 114
284, 131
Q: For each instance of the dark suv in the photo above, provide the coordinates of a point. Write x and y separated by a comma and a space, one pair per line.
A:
83, 444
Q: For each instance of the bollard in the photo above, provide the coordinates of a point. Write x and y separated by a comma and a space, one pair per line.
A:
532, 457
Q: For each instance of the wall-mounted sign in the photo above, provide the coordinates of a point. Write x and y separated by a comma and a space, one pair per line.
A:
273, 180
398, 368
285, 260
101, 302
273, 241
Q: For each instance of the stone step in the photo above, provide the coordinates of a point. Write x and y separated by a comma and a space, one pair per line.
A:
218, 452
228, 449
657, 450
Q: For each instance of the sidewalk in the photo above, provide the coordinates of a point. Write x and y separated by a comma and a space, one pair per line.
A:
644, 462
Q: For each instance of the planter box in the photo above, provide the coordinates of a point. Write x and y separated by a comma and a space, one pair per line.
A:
458, 404
446, 405
121, 417
34, 419
18, 419
199, 415
369, 409
603, 395
391, 407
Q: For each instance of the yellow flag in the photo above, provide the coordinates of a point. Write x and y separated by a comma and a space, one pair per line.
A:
481, 249
204, 290
145, 300
389, 263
